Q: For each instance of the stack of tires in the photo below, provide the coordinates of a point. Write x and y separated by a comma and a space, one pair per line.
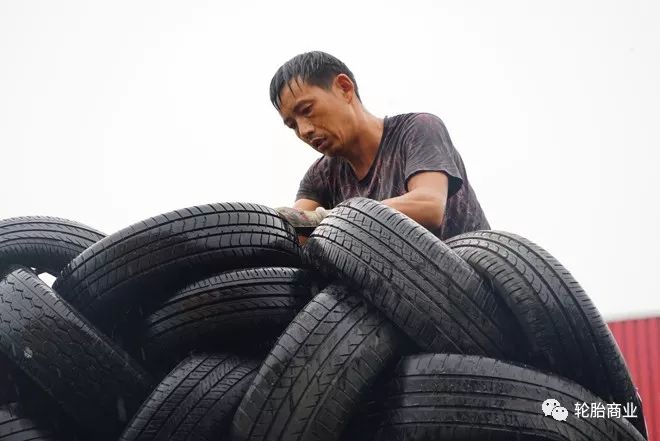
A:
214, 323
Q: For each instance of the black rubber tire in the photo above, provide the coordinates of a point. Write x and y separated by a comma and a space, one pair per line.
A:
196, 401
318, 371
417, 281
241, 311
148, 261
566, 332
455, 397
94, 381
45, 243
8, 373
34, 404
15, 425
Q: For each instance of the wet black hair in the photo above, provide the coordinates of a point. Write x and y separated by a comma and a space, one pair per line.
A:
316, 68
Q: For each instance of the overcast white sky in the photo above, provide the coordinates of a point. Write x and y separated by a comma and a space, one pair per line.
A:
112, 112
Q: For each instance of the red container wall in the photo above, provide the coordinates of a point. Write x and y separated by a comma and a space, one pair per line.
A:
639, 341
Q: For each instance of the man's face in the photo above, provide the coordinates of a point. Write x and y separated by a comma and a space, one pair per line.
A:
324, 119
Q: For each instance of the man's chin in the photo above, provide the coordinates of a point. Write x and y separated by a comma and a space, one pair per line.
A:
330, 151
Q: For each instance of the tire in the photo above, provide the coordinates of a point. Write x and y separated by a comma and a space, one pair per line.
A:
148, 261
455, 397
8, 385
239, 311
417, 281
16, 426
566, 332
93, 381
45, 243
40, 408
196, 401
318, 371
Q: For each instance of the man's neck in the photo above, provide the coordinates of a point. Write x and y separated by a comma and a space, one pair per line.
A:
365, 148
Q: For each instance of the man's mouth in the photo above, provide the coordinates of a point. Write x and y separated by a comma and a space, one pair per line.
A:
320, 143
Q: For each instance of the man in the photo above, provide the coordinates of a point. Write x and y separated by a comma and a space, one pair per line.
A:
406, 161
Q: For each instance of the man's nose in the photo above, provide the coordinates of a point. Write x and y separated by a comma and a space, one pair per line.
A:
306, 130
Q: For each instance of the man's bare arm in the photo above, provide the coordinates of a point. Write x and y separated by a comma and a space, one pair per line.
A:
426, 199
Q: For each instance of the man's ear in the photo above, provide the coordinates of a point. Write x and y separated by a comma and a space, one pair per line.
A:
345, 86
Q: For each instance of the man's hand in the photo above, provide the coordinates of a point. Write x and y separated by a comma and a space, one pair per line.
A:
303, 220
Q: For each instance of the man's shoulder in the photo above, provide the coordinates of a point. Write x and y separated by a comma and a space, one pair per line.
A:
416, 117
415, 120
411, 127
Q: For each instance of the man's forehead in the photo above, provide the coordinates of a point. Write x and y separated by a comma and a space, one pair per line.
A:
293, 92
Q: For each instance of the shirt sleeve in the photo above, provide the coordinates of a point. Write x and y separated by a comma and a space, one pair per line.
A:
429, 148
312, 185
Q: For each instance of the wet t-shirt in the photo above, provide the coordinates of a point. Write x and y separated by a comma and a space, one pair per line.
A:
411, 143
